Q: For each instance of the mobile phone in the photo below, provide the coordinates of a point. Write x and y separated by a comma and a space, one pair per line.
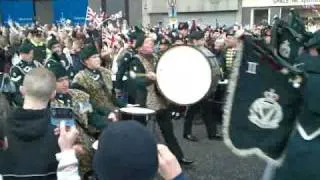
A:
62, 114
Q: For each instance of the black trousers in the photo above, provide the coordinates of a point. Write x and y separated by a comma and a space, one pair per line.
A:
163, 118
211, 115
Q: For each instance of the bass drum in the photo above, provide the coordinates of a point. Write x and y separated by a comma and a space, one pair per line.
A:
186, 75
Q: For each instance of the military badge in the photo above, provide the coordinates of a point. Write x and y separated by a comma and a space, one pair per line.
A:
266, 112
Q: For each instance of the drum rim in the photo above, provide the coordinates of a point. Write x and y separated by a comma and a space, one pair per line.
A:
210, 64
151, 110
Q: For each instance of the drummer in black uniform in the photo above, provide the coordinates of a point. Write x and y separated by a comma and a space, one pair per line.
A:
125, 82
204, 106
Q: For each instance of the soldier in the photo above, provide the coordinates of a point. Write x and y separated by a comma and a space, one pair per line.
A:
58, 57
134, 86
120, 69
89, 123
96, 81
204, 106
18, 71
231, 51
149, 96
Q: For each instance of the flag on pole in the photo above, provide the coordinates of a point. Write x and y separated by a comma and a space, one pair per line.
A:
91, 15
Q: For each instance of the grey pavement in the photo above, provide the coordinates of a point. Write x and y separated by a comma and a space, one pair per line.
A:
214, 161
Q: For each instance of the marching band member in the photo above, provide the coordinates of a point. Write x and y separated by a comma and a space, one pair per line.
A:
18, 72
152, 98
205, 105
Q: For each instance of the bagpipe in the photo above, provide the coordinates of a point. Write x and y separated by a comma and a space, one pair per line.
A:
264, 93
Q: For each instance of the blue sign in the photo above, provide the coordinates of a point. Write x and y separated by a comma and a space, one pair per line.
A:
21, 11
75, 10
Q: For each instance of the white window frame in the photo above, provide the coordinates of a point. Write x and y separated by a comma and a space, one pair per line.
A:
252, 15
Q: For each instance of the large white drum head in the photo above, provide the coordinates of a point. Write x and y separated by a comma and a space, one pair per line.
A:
184, 75
137, 111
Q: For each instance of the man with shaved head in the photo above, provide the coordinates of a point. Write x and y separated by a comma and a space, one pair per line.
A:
32, 144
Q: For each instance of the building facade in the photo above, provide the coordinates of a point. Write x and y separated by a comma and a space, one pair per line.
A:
52, 11
254, 11
207, 12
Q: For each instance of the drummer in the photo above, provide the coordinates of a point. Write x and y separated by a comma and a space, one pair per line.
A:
204, 106
153, 99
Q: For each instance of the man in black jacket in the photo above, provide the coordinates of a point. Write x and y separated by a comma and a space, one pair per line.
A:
32, 144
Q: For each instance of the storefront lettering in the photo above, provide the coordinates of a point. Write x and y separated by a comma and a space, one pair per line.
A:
295, 1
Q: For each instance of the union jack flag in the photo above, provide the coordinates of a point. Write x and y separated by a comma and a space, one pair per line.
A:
91, 15
108, 38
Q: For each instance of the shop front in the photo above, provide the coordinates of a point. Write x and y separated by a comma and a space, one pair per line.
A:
258, 11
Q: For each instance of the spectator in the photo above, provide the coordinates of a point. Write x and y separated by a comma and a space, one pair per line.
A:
127, 150
32, 144
4, 110
68, 162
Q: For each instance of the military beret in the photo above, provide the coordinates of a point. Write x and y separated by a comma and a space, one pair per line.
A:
314, 42
58, 70
196, 35
88, 51
183, 25
53, 41
26, 47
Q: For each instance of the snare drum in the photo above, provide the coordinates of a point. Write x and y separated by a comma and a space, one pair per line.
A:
186, 75
134, 112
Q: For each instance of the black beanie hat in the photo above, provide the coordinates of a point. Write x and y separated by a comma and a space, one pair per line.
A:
126, 150
88, 51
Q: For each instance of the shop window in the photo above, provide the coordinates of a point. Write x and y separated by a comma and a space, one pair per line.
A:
260, 16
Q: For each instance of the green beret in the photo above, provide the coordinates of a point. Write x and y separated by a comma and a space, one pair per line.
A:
58, 70
87, 52
139, 40
196, 35
26, 47
314, 42
53, 41
138, 35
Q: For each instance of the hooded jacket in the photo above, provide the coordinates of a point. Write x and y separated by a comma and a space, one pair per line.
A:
32, 147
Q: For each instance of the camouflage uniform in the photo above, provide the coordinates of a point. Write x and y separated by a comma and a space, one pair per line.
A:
154, 100
79, 102
17, 74
98, 84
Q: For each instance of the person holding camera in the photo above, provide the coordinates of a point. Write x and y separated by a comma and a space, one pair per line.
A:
32, 144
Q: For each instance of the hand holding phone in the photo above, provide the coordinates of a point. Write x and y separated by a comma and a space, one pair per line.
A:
62, 114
